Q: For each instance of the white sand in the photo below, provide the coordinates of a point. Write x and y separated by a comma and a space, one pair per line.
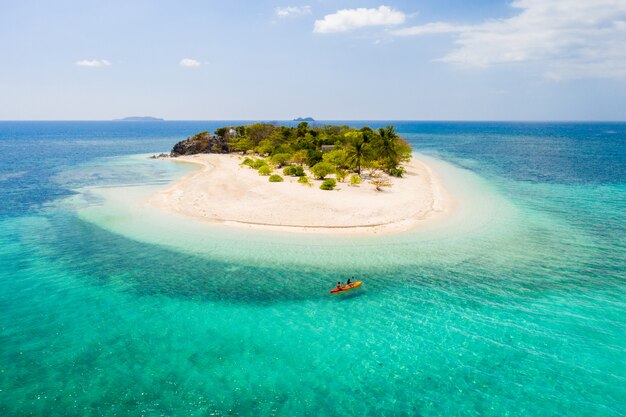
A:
223, 192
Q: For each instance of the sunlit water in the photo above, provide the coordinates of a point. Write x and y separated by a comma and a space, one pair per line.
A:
514, 305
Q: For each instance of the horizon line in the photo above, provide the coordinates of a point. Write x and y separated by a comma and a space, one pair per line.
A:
330, 120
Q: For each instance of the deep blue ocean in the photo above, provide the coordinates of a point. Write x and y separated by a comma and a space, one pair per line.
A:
524, 316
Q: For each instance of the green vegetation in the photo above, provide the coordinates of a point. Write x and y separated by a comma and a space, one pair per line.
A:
336, 157
258, 163
265, 170
328, 184
280, 159
397, 172
300, 157
305, 180
340, 146
323, 150
380, 182
276, 178
358, 151
321, 169
294, 171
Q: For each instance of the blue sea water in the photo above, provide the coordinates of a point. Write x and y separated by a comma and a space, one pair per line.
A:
515, 308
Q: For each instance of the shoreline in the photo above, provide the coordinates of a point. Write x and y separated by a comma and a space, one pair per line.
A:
221, 192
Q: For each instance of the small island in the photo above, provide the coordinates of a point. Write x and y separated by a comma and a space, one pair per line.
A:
139, 119
304, 119
315, 179
305, 151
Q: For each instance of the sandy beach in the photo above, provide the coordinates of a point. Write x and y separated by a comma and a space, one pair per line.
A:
223, 192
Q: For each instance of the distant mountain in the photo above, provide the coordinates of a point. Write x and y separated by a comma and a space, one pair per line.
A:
139, 119
304, 119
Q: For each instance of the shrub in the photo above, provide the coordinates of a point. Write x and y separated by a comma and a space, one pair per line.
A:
380, 182
341, 174
397, 172
294, 171
248, 162
336, 157
321, 169
300, 157
241, 144
264, 147
355, 180
305, 180
265, 170
313, 157
328, 184
280, 159
258, 163
276, 178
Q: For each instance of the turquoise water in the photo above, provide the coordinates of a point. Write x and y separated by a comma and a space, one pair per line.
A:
513, 306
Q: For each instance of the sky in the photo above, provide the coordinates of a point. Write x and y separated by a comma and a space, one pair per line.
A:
332, 60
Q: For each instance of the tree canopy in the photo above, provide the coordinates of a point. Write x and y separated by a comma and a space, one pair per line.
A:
342, 147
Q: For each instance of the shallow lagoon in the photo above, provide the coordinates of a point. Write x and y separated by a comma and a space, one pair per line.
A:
512, 307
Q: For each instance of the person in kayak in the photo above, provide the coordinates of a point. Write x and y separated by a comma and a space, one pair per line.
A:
348, 283
339, 285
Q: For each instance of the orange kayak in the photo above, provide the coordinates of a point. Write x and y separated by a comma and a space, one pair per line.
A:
347, 287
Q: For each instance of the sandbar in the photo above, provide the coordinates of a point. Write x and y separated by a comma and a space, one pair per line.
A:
223, 192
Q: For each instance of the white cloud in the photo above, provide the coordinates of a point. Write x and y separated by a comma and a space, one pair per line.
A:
291, 11
566, 38
93, 63
348, 19
430, 28
188, 62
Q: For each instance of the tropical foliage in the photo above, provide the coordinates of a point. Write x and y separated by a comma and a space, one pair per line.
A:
337, 147
378, 183
341, 174
305, 180
257, 163
329, 184
355, 180
265, 170
294, 171
280, 159
397, 172
321, 169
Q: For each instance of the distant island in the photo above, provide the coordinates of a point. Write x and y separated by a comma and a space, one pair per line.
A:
139, 119
304, 119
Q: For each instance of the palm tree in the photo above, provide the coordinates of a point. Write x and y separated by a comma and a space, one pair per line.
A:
357, 152
368, 134
387, 146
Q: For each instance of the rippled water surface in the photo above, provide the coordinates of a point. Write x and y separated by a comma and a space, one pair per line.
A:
515, 306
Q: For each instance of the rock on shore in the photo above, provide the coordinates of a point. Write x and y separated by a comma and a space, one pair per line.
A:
202, 142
